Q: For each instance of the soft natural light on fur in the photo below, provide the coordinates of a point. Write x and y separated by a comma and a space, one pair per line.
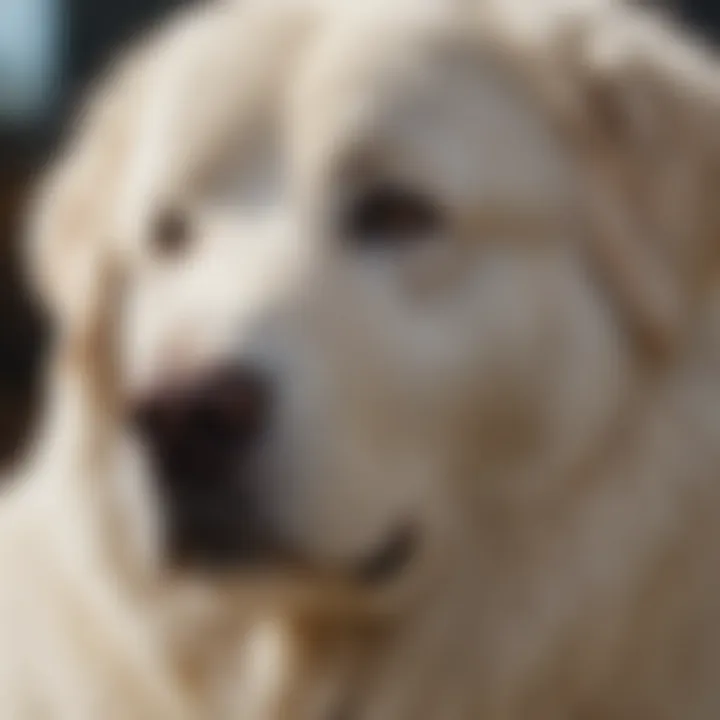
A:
379, 369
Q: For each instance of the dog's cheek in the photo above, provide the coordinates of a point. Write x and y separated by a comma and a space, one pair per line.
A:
535, 331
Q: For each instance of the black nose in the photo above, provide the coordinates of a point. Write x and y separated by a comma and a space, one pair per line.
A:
199, 425
204, 440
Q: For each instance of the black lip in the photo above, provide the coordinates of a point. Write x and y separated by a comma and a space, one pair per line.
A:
250, 554
391, 559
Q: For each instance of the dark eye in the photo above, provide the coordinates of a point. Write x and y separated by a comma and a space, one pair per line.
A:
171, 232
388, 216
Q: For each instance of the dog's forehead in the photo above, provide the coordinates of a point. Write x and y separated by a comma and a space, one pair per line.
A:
430, 101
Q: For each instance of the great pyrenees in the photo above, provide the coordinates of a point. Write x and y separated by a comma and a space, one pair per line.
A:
386, 374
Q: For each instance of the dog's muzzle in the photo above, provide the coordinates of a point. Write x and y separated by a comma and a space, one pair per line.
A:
206, 438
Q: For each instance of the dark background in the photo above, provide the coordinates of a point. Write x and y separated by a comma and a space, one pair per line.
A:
85, 33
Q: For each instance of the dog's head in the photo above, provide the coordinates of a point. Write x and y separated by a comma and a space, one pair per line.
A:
385, 272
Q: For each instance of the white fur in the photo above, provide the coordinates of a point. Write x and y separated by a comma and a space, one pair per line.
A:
517, 387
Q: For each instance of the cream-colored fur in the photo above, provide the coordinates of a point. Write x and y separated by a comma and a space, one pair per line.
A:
535, 388
92, 626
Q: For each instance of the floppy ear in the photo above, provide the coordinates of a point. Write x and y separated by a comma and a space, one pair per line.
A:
73, 270
645, 118
70, 213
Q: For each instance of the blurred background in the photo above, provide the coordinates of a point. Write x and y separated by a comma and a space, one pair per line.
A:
49, 50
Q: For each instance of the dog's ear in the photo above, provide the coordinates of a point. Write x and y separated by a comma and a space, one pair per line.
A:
70, 213
643, 104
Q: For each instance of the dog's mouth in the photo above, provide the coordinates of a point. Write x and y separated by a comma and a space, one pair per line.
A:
216, 526
213, 472
391, 559
247, 549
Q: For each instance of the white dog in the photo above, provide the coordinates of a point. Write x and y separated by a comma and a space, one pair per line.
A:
396, 330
